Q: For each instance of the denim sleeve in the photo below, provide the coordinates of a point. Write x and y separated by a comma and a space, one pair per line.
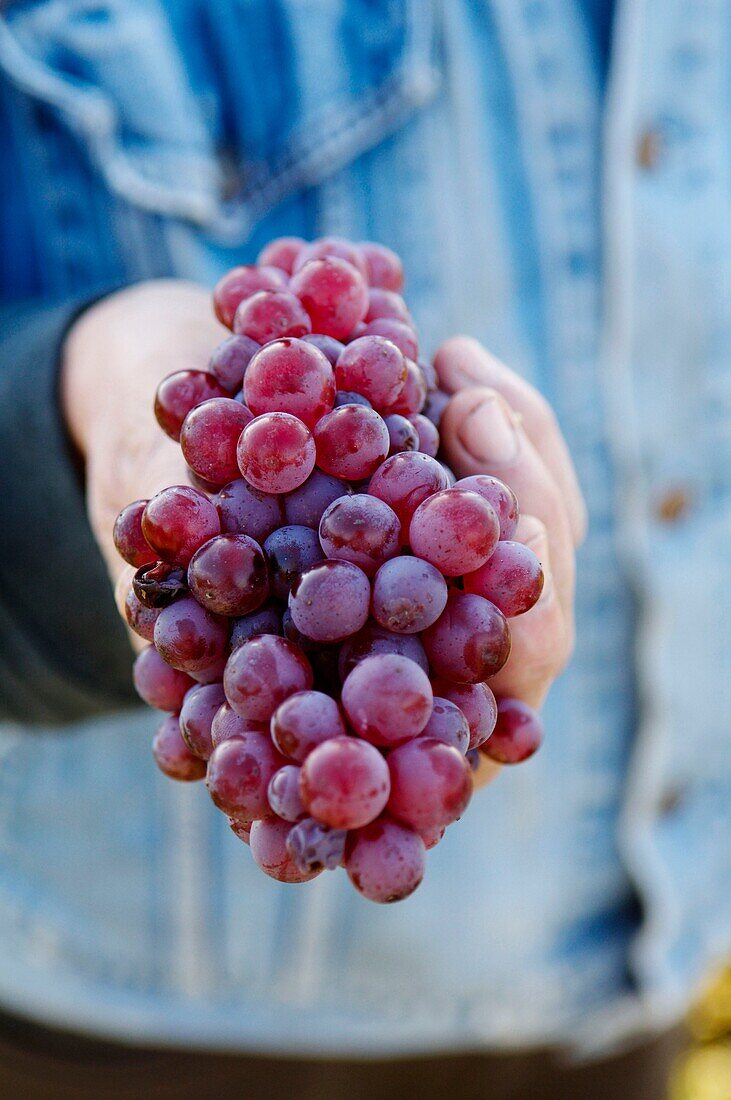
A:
64, 653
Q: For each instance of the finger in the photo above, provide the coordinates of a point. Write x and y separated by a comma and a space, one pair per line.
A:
482, 434
462, 362
486, 771
542, 637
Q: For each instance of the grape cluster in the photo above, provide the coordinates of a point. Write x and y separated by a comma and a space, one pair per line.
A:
324, 603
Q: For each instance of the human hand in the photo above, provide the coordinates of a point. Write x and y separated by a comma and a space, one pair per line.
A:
115, 356
496, 423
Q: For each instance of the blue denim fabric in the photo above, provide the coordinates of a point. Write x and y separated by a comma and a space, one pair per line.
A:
585, 894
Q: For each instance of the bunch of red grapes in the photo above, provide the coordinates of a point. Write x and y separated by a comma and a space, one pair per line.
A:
324, 602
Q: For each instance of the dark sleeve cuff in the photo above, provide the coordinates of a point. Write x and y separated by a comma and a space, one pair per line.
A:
64, 652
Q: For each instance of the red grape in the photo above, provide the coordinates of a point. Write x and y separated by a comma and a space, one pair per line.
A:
196, 716
239, 772
209, 437
477, 703
470, 641
291, 551
434, 406
512, 578
262, 673
229, 575
140, 618
188, 637
344, 783
316, 847
226, 723
304, 506
293, 377
230, 359
281, 252
403, 336
374, 639
431, 784
373, 367
427, 435
178, 393
157, 684
456, 530
330, 601
241, 829
385, 860
330, 347
412, 395
276, 452
448, 724
383, 266
332, 247
499, 495
158, 584
304, 721
361, 529
267, 619
388, 699
404, 481
172, 755
408, 595
386, 303
402, 434
177, 521
351, 441
244, 510
240, 283
268, 841
284, 795
269, 315
518, 733
334, 293
129, 541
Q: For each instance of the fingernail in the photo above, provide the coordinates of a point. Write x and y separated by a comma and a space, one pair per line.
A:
488, 433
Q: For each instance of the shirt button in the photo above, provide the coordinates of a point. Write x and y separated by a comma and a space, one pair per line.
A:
673, 505
649, 148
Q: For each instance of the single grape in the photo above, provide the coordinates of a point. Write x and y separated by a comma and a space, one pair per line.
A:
188, 637
518, 733
276, 452
470, 641
403, 336
268, 842
172, 755
402, 433
434, 406
228, 575
328, 345
269, 315
385, 860
456, 530
281, 252
239, 771
477, 703
241, 829
262, 673
303, 722
226, 723
293, 377
511, 578
408, 595
212, 672
383, 267
180, 392
330, 601
404, 481
158, 584
209, 437
177, 521
316, 847
290, 552
157, 684
431, 784
430, 375
373, 367
139, 618
332, 248
304, 506
284, 795
344, 783
362, 529
128, 538
267, 619
388, 699
230, 359
196, 716
386, 303
427, 434
351, 442
499, 495
350, 397
334, 293
412, 395
374, 639
240, 283
244, 510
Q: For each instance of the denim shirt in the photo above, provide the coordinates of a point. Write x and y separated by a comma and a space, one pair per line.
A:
583, 233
